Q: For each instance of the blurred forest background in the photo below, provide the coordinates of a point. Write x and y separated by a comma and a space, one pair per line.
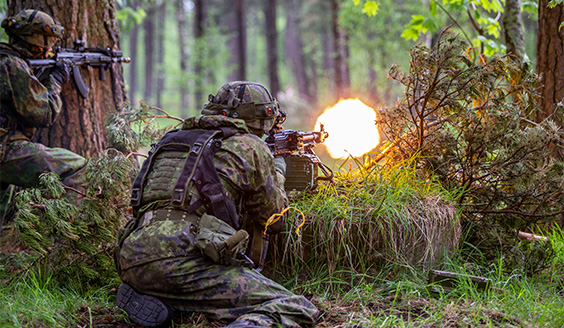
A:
309, 53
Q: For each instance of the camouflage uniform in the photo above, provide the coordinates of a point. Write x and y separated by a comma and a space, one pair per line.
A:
161, 260
26, 104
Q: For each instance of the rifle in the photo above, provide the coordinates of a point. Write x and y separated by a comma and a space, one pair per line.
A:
98, 57
296, 147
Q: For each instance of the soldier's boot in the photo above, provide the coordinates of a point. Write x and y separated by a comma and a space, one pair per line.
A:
145, 310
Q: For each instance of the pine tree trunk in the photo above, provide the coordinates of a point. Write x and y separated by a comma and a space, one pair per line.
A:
550, 58
271, 46
294, 49
133, 40
80, 126
148, 27
242, 39
513, 30
198, 35
182, 39
340, 54
160, 51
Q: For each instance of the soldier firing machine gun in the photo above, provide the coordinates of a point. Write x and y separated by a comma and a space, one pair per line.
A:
296, 147
98, 57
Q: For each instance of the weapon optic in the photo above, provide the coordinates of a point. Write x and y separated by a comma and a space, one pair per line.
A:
98, 57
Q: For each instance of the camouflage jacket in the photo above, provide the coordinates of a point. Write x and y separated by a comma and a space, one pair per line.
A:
25, 102
245, 166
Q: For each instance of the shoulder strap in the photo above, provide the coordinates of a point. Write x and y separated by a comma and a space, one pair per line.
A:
4, 51
201, 145
208, 183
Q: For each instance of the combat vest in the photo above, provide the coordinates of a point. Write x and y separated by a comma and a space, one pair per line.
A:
181, 160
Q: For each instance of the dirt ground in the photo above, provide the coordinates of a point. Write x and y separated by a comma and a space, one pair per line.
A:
335, 314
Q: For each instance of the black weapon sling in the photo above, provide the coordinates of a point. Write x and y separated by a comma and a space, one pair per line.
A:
198, 168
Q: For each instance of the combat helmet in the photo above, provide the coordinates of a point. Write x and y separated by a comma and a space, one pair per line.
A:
249, 101
33, 32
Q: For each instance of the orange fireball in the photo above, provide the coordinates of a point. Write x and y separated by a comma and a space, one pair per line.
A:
351, 127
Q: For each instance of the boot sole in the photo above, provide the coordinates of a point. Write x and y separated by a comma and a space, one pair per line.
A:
144, 310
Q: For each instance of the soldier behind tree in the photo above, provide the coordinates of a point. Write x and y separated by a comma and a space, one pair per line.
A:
27, 103
163, 255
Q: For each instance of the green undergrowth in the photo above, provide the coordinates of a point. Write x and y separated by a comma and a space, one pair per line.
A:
366, 222
363, 257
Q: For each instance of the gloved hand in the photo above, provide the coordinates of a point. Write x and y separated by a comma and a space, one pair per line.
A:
61, 72
280, 165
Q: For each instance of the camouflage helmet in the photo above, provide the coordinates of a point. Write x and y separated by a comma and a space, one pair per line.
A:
248, 101
38, 30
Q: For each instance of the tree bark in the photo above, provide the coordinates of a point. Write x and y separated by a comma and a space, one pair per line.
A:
133, 40
340, 54
199, 23
237, 43
80, 126
294, 49
513, 30
271, 46
148, 26
550, 58
160, 51
232, 43
182, 39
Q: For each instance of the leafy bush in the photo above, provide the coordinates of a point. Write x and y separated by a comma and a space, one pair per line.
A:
469, 121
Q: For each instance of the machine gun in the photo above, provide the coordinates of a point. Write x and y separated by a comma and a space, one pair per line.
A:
98, 57
296, 147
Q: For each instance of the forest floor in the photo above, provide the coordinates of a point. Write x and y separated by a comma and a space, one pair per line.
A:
393, 310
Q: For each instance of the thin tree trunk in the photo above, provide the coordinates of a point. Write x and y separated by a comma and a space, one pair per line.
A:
198, 35
133, 40
242, 40
513, 30
294, 49
160, 51
182, 39
328, 62
148, 26
80, 126
271, 46
341, 53
237, 43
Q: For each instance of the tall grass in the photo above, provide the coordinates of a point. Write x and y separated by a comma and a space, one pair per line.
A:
35, 299
367, 222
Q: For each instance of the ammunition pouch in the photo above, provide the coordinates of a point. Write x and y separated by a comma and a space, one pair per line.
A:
221, 243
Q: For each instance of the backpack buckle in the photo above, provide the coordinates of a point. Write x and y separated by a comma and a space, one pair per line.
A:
196, 148
177, 196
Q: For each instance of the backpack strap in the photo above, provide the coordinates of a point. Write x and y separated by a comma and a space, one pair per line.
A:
191, 164
208, 183
199, 168
9, 52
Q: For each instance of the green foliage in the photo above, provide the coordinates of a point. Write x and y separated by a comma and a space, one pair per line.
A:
128, 16
133, 128
469, 123
73, 232
368, 222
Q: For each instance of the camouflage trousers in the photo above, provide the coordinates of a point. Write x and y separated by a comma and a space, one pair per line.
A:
23, 162
183, 278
